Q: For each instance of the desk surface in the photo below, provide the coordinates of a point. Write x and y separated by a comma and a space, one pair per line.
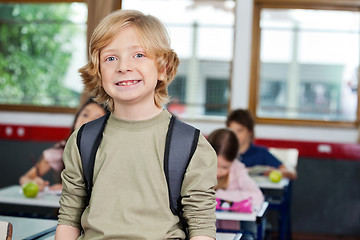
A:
228, 236
13, 195
29, 228
265, 183
227, 215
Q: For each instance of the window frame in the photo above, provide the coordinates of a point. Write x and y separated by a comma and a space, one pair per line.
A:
35, 108
254, 85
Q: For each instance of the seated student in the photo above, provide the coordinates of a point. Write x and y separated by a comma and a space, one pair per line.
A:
234, 182
242, 123
51, 158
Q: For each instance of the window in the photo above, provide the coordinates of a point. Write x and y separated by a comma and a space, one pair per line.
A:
41, 48
202, 34
305, 65
216, 96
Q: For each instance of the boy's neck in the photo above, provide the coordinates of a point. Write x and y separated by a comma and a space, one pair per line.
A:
131, 113
244, 147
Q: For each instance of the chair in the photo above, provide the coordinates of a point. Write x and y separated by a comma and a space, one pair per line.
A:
289, 157
6, 229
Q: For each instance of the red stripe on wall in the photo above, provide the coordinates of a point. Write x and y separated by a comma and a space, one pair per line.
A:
325, 150
33, 133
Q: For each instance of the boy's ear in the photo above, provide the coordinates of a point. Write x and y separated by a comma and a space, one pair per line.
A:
162, 74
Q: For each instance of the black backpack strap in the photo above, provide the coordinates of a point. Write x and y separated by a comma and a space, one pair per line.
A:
181, 143
88, 141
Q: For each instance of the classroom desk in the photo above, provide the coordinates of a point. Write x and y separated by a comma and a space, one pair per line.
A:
257, 216
228, 236
13, 195
31, 228
265, 183
281, 204
14, 203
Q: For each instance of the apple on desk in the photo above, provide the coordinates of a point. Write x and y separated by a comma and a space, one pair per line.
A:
30, 189
275, 176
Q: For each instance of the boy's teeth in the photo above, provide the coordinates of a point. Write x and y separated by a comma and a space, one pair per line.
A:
128, 83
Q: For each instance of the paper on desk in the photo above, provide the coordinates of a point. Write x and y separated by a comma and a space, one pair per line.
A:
47, 190
257, 170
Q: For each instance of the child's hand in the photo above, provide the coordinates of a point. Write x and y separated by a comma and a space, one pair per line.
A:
41, 183
56, 187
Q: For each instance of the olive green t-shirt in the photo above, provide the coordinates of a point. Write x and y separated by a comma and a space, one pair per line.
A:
130, 195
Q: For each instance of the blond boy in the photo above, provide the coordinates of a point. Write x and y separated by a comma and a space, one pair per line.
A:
130, 69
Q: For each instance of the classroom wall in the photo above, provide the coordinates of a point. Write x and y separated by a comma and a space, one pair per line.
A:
326, 197
15, 159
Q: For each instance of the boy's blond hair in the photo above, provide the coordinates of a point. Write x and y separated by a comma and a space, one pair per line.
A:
152, 36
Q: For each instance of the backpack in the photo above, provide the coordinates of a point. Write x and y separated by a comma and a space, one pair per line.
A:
181, 143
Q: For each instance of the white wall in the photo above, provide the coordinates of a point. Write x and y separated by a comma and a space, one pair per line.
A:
36, 119
240, 96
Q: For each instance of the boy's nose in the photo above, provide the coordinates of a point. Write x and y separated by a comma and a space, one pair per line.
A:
123, 66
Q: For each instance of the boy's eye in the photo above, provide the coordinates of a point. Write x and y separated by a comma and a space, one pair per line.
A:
110, 59
139, 55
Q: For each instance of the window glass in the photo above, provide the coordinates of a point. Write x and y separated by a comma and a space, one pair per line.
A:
202, 34
308, 64
42, 47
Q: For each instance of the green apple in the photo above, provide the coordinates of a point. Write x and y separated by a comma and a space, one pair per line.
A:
30, 189
275, 176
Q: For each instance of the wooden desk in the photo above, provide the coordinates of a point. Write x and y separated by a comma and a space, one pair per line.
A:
258, 216
31, 228
13, 195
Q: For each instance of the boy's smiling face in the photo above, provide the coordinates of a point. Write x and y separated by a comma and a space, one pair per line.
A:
129, 74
